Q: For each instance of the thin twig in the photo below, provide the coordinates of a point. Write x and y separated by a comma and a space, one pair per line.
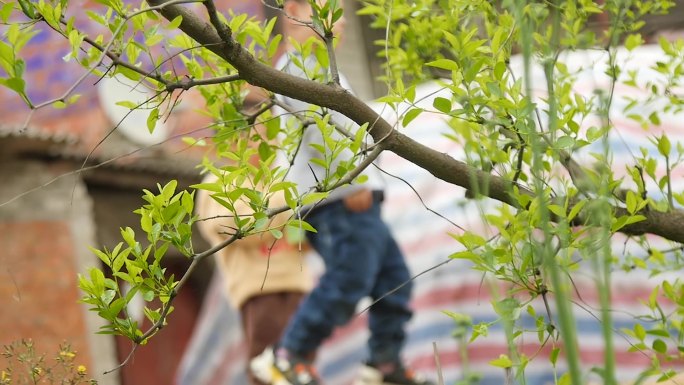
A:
307, 122
296, 20
99, 61
404, 284
96, 166
251, 118
420, 198
334, 72
169, 86
111, 131
189, 83
196, 259
223, 30
438, 365
367, 161
122, 364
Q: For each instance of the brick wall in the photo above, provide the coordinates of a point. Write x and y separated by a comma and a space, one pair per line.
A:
43, 245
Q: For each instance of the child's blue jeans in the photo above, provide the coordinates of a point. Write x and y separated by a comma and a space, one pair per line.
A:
361, 259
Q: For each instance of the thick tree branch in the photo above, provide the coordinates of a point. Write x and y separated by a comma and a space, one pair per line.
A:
442, 166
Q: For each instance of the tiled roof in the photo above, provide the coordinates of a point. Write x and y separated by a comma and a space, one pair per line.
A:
34, 133
115, 154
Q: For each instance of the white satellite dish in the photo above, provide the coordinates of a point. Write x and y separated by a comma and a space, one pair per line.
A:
132, 123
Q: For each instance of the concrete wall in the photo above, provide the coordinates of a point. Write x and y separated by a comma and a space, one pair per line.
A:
352, 57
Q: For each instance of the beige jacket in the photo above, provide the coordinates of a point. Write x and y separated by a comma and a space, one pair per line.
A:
246, 264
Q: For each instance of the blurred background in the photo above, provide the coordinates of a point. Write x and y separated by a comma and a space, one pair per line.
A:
69, 181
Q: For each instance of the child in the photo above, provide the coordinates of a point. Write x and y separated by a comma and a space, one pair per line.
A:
244, 264
361, 257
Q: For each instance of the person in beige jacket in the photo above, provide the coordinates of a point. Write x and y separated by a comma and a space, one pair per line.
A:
252, 262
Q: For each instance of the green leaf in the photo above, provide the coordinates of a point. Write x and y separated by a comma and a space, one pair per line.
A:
410, 115
108, 296
631, 201
634, 219
625, 220
470, 240
660, 346
117, 306
313, 197
442, 104
654, 118
565, 379
15, 84
502, 362
214, 187
469, 255
557, 210
302, 225
97, 278
658, 332
148, 295
175, 23
124, 276
277, 234
508, 308
265, 151
576, 209
129, 73
321, 53
633, 40
666, 376
639, 332
499, 70
120, 260
553, 357
152, 119
272, 127
564, 142
664, 145
103, 256
27, 8
444, 64
128, 235
127, 104
73, 98
5, 12
666, 46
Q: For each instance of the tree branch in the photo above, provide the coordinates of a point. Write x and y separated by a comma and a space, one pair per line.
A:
115, 33
195, 262
169, 86
442, 166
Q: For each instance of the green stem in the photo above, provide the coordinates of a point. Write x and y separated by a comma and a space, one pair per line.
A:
603, 283
602, 261
565, 318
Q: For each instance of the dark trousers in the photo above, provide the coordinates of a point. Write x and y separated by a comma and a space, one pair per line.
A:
361, 259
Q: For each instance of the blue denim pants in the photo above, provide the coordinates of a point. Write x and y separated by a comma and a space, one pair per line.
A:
361, 259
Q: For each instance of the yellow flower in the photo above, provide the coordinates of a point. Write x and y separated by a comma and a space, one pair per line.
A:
4, 376
81, 370
67, 354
